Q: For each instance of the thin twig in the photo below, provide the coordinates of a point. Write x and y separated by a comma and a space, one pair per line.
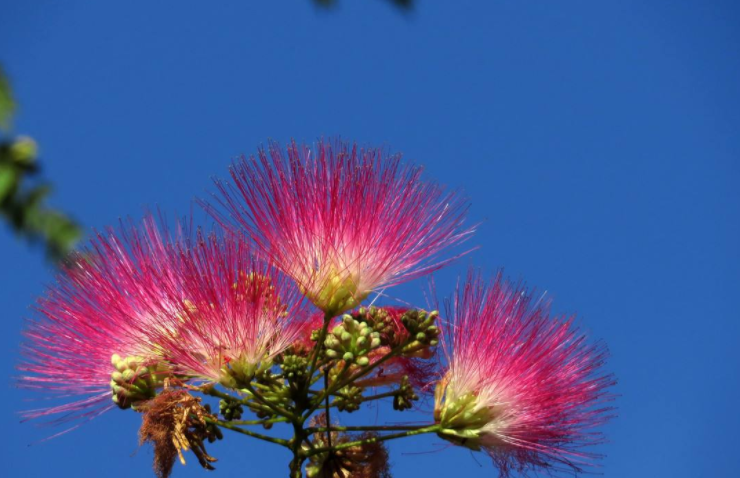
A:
375, 439
259, 436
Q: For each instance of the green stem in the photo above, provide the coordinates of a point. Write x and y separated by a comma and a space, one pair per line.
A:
339, 384
328, 419
366, 399
430, 429
265, 388
259, 422
259, 436
369, 368
378, 396
326, 392
379, 428
211, 391
299, 436
319, 344
276, 408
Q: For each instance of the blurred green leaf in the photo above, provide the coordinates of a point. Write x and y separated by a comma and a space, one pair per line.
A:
35, 197
7, 105
8, 180
26, 211
24, 150
22, 205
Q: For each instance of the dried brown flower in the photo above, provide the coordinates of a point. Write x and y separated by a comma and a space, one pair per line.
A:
368, 460
175, 421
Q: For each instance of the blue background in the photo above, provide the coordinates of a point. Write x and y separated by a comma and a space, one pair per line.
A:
597, 141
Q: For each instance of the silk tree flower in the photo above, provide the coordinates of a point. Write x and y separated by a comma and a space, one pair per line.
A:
525, 387
342, 221
92, 322
241, 312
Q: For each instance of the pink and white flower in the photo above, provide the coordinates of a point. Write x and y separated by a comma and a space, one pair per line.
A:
342, 221
240, 312
525, 387
104, 301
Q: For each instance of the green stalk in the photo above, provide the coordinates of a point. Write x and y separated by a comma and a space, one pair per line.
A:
328, 419
338, 384
259, 436
326, 392
211, 391
370, 367
379, 428
430, 429
276, 408
319, 344
259, 422
378, 396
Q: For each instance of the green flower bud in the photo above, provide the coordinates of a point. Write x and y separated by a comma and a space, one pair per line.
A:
24, 150
294, 367
349, 398
462, 418
420, 326
404, 398
230, 409
134, 381
352, 340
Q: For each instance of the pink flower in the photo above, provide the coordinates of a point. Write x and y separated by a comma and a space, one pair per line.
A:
340, 220
97, 312
526, 388
138, 307
240, 312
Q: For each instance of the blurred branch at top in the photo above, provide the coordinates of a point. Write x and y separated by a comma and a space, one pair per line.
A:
401, 4
23, 205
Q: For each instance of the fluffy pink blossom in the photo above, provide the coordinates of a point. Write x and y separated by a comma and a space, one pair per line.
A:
104, 300
341, 220
240, 312
523, 386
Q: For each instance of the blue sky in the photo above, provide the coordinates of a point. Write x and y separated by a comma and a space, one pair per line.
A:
597, 141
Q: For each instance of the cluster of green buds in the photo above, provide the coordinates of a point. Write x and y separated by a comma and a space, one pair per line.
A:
351, 341
380, 320
213, 432
230, 409
424, 334
135, 380
272, 389
405, 396
238, 373
295, 368
417, 332
349, 398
